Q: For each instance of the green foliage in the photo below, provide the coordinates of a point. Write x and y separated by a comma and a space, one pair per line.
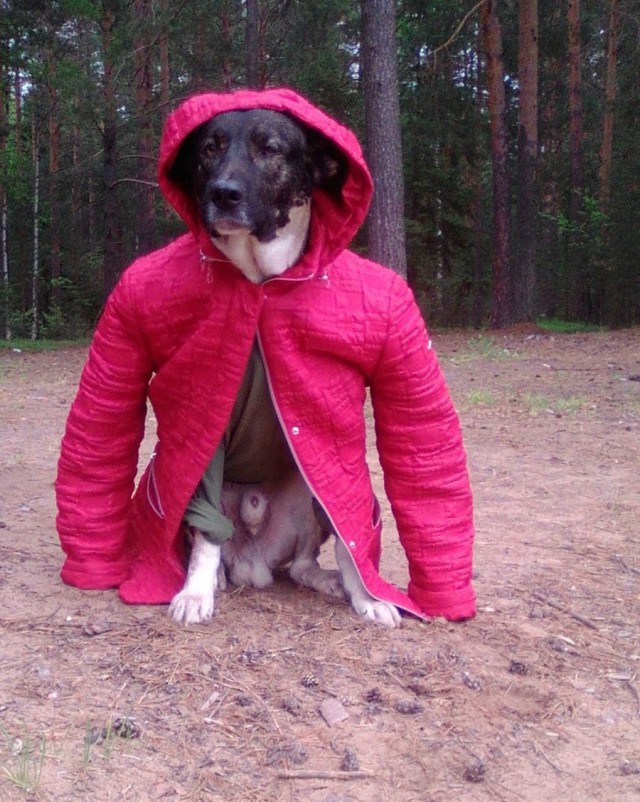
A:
566, 326
66, 53
22, 344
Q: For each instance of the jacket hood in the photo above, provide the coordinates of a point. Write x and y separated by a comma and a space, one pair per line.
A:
333, 224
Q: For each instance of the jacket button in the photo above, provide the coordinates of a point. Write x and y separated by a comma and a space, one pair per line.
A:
352, 544
295, 430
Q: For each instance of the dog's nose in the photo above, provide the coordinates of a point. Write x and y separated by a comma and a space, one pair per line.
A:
226, 194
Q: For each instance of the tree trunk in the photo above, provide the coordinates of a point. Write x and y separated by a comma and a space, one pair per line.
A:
478, 306
18, 112
54, 199
146, 208
604, 173
165, 70
35, 263
111, 232
227, 38
165, 83
4, 252
5, 265
386, 231
252, 40
578, 287
527, 212
502, 303
576, 133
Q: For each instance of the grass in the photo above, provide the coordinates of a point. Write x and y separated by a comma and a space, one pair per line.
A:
480, 398
536, 403
24, 768
558, 326
41, 345
483, 347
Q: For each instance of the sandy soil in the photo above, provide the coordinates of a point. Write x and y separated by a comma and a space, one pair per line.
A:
537, 698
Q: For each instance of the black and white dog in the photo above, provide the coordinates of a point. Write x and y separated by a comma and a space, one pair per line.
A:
252, 174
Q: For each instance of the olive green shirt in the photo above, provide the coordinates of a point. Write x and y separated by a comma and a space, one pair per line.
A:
252, 449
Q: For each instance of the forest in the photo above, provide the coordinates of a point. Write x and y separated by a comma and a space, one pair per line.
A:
518, 142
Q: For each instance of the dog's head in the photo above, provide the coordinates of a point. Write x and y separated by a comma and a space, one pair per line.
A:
247, 171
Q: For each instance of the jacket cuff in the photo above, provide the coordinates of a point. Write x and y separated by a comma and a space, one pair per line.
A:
455, 605
80, 575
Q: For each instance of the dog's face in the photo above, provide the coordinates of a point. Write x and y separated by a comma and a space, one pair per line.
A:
249, 169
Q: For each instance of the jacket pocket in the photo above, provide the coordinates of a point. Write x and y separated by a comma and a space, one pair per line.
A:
376, 518
153, 494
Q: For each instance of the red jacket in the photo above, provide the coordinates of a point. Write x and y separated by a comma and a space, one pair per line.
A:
178, 329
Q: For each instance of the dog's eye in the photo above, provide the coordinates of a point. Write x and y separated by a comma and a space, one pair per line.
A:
270, 149
212, 147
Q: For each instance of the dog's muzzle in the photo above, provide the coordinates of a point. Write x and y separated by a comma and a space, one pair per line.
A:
224, 211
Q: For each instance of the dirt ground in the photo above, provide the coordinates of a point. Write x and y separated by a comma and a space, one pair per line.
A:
537, 698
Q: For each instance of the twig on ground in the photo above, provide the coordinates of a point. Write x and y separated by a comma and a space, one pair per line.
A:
628, 568
561, 608
324, 775
635, 693
539, 751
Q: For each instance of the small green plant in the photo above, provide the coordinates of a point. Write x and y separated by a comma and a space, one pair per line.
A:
24, 768
536, 403
480, 398
569, 406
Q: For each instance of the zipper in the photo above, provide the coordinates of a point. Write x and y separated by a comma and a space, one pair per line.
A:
308, 483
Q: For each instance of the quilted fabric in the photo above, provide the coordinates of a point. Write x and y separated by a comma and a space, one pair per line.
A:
177, 332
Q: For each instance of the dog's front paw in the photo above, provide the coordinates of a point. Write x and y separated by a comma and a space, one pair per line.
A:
378, 612
191, 608
195, 603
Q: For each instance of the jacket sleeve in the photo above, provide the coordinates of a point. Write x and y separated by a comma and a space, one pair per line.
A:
99, 451
424, 463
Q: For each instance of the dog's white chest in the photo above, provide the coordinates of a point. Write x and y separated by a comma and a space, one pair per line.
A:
260, 261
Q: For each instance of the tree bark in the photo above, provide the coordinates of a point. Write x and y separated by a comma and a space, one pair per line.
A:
527, 212
606, 150
478, 306
35, 263
227, 39
252, 40
54, 195
578, 292
386, 232
576, 132
502, 304
165, 70
146, 208
4, 251
111, 232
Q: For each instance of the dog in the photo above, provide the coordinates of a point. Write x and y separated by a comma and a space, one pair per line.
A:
252, 174
275, 527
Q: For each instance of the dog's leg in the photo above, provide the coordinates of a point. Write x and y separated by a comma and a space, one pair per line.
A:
307, 572
305, 569
361, 600
195, 601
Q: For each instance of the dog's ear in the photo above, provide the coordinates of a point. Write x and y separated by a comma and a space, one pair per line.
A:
329, 164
